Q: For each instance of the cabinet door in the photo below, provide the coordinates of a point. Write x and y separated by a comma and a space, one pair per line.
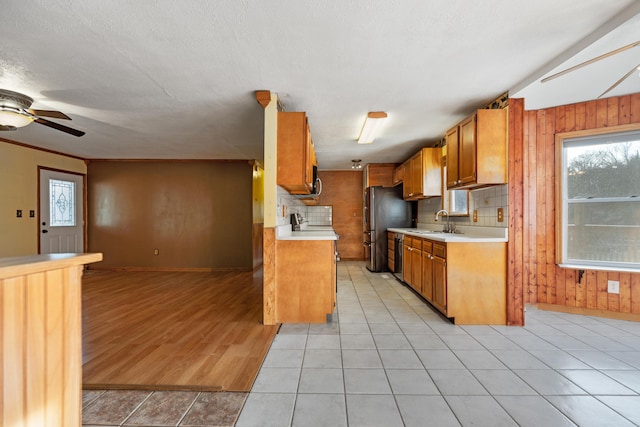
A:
431, 172
416, 269
427, 275
406, 261
295, 169
467, 151
440, 283
308, 156
406, 180
416, 176
398, 175
452, 157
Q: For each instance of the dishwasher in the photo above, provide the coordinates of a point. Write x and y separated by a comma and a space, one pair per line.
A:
398, 243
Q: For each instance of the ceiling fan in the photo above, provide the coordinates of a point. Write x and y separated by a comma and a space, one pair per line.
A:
15, 113
596, 59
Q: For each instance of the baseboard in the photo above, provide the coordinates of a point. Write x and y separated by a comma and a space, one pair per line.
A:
588, 312
173, 269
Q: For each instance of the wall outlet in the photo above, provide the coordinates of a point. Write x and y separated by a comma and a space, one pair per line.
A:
500, 214
475, 215
613, 286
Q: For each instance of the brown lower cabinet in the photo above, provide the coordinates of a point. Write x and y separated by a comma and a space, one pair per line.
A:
465, 281
305, 280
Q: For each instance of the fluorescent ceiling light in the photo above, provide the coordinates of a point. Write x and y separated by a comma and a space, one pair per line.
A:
372, 125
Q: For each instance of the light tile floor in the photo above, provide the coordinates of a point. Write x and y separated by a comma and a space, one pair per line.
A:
388, 359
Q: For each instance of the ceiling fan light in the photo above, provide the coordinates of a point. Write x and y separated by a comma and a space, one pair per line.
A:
371, 127
14, 118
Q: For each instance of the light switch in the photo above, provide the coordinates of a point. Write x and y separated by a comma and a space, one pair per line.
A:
19, 213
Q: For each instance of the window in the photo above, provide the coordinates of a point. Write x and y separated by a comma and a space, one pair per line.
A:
62, 204
456, 202
600, 201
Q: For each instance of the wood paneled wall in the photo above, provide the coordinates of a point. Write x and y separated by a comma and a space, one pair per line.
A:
543, 281
40, 340
343, 191
198, 214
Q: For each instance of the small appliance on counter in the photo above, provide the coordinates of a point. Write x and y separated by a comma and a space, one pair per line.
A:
296, 221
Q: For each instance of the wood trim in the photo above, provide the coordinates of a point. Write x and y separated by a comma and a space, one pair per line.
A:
588, 312
596, 131
251, 162
172, 269
263, 97
46, 150
516, 245
269, 276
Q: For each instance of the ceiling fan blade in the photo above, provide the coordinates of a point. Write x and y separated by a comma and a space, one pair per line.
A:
623, 78
50, 113
58, 126
591, 61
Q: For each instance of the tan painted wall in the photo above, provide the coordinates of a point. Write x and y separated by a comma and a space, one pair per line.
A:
198, 214
19, 190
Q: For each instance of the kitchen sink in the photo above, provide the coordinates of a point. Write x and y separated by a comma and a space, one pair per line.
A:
434, 232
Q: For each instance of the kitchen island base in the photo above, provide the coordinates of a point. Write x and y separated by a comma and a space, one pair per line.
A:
305, 281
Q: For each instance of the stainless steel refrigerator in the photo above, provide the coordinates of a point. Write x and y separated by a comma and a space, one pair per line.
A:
383, 208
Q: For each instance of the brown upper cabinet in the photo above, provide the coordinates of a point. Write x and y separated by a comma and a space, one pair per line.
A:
375, 174
477, 150
422, 178
296, 155
398, 175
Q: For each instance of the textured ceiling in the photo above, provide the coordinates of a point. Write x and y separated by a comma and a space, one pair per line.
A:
165, 79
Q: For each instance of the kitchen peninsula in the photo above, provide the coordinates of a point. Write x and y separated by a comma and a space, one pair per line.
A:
306, 274
462, 275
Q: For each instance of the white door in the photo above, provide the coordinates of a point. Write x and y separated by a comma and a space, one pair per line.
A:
61, 212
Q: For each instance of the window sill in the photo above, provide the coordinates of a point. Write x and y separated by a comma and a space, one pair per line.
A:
614, 268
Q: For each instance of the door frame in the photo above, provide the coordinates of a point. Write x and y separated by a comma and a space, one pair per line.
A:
84, 204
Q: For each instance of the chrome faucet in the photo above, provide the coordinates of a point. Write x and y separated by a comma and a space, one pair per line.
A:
447, 228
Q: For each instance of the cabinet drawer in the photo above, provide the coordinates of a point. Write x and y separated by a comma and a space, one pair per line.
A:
440, 250
427, 246
416, 243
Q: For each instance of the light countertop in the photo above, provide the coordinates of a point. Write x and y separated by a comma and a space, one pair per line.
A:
308, 232
468, 234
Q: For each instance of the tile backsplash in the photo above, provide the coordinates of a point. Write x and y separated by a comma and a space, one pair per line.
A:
314, 215
319, 215
485, 200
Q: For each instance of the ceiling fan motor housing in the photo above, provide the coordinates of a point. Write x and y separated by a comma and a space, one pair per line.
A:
9, 98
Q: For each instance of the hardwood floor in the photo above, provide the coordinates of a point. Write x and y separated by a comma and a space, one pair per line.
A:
173, 330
